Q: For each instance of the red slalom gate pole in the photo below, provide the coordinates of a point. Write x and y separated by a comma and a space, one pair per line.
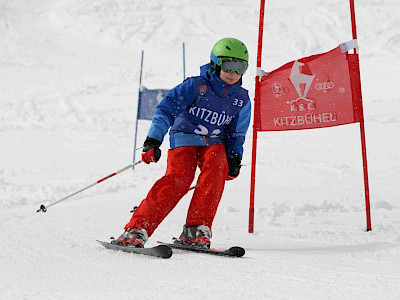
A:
256, 114
44, 208
362, 128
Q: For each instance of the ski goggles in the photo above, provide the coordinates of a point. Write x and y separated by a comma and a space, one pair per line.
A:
233, 65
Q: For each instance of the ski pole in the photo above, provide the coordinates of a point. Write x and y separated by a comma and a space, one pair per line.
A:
44, 208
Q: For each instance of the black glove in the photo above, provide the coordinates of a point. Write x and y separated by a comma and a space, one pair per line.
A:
234, 167
151, 150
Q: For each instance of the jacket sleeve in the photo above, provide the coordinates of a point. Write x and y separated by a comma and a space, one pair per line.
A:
237, 132
173, 104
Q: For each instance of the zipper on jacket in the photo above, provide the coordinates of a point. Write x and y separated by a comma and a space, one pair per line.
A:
223, 94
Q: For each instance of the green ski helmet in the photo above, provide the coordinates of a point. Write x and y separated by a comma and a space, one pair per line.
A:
229, 48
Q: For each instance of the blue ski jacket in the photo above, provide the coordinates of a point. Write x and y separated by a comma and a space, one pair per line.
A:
204, 110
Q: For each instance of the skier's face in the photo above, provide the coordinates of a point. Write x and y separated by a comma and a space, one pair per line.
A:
230, 78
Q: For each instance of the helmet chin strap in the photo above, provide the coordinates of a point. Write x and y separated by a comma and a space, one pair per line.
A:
218, 72
215, 69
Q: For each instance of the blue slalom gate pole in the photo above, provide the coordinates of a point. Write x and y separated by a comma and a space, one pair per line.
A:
138, 108
184, 61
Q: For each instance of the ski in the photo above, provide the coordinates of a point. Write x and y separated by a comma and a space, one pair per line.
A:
232, 251
162, 251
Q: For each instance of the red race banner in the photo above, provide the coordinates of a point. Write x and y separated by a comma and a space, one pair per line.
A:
318, 91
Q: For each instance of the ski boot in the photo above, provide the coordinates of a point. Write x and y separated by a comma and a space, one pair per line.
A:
196, 236
132, 237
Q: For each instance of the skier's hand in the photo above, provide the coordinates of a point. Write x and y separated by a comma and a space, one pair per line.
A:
234, 167
151, 150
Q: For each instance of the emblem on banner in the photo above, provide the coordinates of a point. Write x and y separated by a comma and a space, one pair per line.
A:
301, 83
324, 86
298, 79
277, 90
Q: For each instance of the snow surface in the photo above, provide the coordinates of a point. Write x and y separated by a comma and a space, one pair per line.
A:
69, 85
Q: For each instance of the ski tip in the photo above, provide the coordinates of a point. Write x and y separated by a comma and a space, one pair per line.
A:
104, 244
237, 251
167, 251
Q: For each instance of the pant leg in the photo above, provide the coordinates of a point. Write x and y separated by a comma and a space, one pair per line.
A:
167, 191
210, 185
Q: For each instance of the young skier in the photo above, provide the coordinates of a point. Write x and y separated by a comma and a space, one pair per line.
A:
208, 117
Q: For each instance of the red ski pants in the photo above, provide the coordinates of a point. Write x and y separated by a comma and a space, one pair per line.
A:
169, 189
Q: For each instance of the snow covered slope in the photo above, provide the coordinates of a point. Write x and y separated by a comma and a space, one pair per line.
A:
69, 74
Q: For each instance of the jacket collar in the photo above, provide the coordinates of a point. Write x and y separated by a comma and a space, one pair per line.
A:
221, 88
